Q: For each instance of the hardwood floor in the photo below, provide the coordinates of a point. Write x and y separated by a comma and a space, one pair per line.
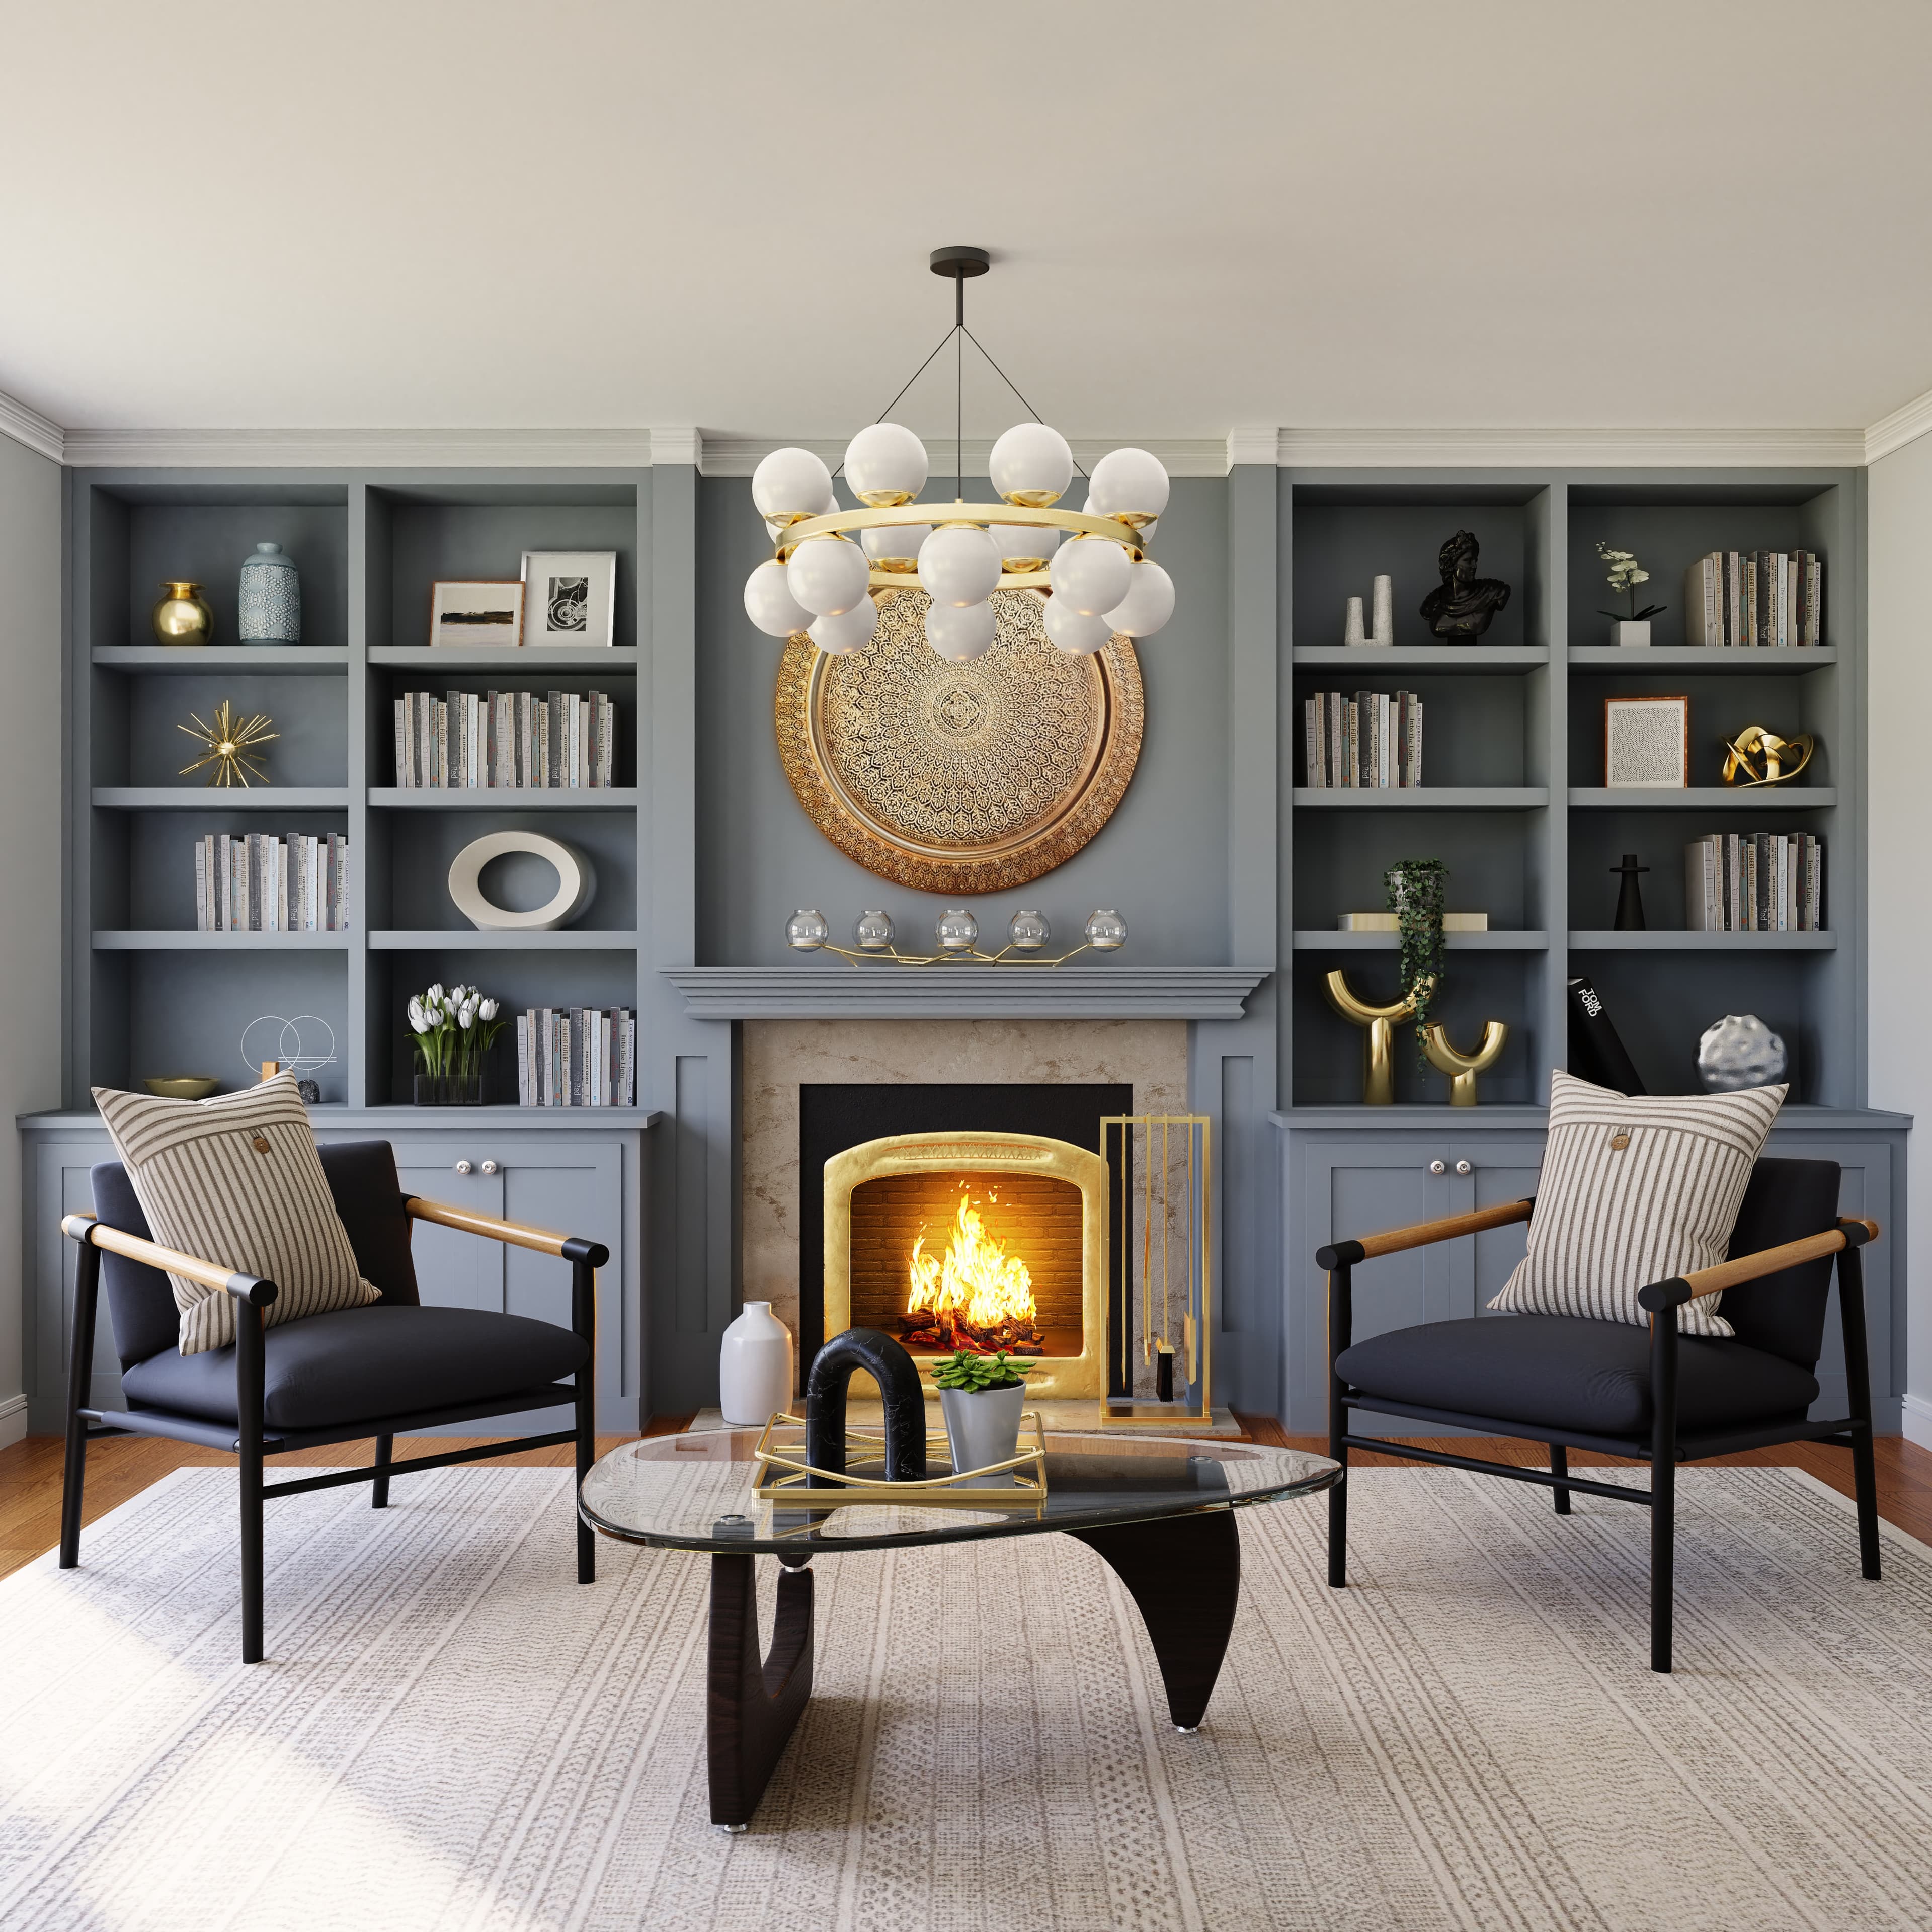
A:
123, 1466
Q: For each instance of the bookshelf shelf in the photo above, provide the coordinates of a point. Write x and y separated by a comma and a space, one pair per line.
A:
1703, 942
508, 798
1706, 798
517, 662
220, 942
222, 798
572, 939
1374, 660
1421, 798
1315, 940
251, 660
1640, 662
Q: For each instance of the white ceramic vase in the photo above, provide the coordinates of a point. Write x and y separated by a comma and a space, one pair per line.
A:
1382, 623
982, 1426
754, 1367
1352, 632
1629, 634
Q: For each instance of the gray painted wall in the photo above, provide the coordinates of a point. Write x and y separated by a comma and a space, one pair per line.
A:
30, 868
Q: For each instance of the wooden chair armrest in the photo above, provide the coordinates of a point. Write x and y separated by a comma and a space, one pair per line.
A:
1343, 1254
247, 1287
1660, 1295
513, 1234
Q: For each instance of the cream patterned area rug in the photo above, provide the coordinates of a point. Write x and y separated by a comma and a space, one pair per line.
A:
450, 1734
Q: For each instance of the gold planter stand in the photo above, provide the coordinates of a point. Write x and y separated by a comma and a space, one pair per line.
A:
785, 1476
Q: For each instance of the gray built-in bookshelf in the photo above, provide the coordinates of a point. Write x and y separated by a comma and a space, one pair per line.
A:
149, 994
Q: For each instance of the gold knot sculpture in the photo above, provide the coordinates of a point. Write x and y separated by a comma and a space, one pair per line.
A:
1764, 758
1379, 1024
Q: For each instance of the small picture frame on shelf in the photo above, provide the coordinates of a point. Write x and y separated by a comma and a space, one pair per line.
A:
473, 612
1647, 743
572, 597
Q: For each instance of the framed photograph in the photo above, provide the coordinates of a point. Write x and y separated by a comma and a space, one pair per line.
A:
474, 613
1647, 743
573, 597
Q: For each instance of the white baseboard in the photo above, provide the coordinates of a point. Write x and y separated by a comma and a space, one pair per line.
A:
1915, 1420
13, 1420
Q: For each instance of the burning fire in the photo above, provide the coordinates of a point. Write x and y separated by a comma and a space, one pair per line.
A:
977, 1297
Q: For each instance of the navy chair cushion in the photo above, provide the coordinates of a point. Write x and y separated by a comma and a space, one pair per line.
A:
361, 1177
356, 1364
1567, 1373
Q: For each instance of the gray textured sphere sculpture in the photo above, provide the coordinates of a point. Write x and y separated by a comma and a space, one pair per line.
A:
1740, 1051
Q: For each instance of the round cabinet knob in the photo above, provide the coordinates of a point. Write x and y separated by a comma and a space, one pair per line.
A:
490, 1167
463, 1167
1438, 1167
1462, 1167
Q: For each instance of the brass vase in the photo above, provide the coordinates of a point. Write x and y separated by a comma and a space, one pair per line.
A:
184, 616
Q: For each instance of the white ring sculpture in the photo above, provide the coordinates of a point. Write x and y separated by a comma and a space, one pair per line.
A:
576, 883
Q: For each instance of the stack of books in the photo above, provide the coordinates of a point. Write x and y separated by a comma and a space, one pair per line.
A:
257, 883
577, 1056
1754, 882
508, 740
1373, 739
1765, 599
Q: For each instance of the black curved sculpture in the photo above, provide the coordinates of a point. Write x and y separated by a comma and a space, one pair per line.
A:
892, 1368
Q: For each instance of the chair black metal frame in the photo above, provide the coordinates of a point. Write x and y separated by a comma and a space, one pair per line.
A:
1666, 1447
247, 1439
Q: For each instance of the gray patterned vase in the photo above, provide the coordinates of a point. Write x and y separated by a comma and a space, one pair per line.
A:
270, 602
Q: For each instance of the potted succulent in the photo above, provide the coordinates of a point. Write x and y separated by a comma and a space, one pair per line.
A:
981, 1397
451, 1030
1625, 574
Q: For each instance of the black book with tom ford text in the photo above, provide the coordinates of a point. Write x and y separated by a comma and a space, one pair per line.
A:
1596, 1053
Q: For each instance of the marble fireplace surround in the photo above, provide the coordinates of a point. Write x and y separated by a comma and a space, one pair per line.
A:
778, 1057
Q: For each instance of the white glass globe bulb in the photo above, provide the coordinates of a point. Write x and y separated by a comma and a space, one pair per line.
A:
1148, 604
1068, 630
1090, 575
827, 575
1029, 544
959, 631
791, 483
898, 543
770, 604
957, 564
885, 464
1127, 483
852, 631
1031, 465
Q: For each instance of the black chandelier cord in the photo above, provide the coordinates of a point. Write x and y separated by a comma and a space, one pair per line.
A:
1010, 384
959, 404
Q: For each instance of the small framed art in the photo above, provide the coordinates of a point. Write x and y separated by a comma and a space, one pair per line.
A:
573, 596
471, 612
1647, 743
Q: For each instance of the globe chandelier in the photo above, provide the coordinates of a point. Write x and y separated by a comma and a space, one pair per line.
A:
829, 566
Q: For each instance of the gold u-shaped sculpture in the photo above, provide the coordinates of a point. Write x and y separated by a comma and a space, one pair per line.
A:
1379, 1042
1462, 1068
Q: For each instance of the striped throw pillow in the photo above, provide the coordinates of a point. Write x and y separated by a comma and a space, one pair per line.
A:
236, 1181
1635, 1191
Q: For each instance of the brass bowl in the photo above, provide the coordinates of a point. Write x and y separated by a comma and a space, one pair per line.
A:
182, 1086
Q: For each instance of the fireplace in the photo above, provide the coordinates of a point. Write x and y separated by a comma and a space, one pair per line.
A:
978, 1239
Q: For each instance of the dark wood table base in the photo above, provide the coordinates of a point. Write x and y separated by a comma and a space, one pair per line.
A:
1184, 1573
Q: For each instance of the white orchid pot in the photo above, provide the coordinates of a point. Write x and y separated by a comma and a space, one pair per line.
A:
982, 1426
1629, 633
754, 1367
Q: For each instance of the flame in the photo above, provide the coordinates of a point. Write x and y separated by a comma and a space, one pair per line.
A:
976, 1287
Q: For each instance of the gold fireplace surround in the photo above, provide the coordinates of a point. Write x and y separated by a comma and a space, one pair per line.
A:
987, 1159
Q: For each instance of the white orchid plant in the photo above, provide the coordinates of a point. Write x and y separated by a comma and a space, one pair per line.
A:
1625, 574
453, 1028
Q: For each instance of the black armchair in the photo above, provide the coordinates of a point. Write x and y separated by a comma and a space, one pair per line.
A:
383, 1370
1651, 1395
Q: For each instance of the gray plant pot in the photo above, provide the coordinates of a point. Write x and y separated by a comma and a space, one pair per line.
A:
982, 1426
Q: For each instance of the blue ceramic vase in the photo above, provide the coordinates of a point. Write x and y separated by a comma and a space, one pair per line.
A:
271, 600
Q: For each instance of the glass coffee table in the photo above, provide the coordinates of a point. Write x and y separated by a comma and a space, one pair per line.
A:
1159, 1511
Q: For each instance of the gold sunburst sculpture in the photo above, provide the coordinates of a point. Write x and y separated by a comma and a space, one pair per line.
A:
232, 746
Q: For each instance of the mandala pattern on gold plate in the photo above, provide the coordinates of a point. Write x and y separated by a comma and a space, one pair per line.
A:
959, 778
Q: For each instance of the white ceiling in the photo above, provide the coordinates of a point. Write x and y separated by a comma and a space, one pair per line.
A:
1394, 212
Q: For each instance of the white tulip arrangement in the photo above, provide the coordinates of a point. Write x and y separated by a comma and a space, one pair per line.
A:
453, 1028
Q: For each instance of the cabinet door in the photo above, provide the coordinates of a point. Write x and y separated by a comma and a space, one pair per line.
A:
58, 1184
453, 1270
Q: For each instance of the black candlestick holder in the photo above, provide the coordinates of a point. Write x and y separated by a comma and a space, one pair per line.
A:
1629, 896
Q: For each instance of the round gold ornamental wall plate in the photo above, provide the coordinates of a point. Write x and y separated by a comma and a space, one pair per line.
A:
959, 778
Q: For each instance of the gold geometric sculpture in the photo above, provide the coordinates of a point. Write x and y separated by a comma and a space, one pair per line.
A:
1462, 1068
1378, 1041
1764, 756
955, 778
231, 743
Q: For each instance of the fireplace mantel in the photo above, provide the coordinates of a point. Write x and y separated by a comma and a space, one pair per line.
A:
822, 991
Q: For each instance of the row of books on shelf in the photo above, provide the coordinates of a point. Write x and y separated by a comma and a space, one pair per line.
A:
509, 740
1373, 739
1763, 599
1754, 882
255, 882
577, 1056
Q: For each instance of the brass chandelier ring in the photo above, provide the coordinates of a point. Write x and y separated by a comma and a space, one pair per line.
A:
836, 523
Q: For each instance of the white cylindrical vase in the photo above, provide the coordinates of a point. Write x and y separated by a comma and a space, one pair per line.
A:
1352, 624
1382, 630
982, 1426
754, 1367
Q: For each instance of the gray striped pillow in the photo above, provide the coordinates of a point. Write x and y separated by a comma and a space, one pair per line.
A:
236, 1181
1635, 1191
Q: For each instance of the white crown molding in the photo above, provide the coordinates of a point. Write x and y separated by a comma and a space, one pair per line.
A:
684, 445
358, 449
1253, 444
44, 438
1906, 424
1183, 456
1582, 449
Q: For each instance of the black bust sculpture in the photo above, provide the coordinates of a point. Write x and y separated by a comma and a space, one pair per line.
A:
1458, 610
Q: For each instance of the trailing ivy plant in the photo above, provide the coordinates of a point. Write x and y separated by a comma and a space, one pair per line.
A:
977, 1373
1415, 888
